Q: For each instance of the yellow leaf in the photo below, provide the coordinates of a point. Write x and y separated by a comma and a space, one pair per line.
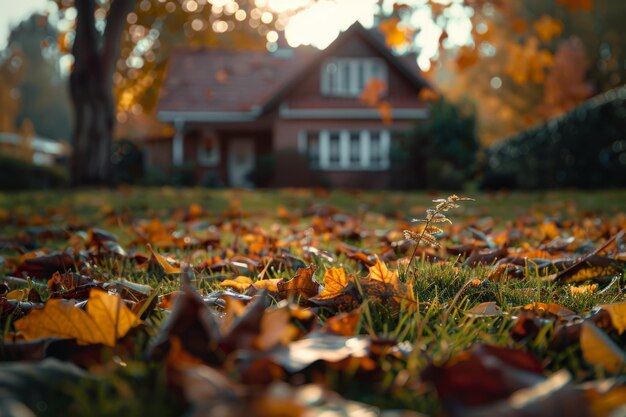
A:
240, 283
583, 289
618, 315
167, 267
335, 280
267, 284
17, 295
599, 350
105, 320
380, 272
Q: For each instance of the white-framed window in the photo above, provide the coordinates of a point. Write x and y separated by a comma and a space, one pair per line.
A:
208, 152
346, 77
344, 149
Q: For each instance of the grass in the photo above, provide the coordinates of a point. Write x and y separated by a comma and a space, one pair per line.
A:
439, 330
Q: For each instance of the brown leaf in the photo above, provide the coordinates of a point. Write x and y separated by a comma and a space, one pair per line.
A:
302, 285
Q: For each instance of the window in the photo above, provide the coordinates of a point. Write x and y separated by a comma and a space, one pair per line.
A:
208, 152
334, 158
346, 150
346, 77
313, 149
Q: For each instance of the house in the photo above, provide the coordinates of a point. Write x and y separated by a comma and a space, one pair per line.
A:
289, 118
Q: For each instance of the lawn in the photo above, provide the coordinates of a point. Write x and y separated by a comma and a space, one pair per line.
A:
147, 301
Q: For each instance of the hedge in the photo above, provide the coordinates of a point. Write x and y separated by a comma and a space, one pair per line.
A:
585, 148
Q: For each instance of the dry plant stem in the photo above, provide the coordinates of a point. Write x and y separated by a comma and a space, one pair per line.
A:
433, 215
417, 244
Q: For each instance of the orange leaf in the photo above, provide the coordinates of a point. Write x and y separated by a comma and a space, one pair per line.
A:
548, 28
466, 57
373, 91
599, 350
395, 34
618, 315
384, 109
240, 283
105, 320
335, 280
167, 267
270, 285
380, 272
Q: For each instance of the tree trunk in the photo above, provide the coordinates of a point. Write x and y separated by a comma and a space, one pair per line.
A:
91, 91
93, 131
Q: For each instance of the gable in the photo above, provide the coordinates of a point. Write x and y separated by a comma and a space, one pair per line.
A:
207, 85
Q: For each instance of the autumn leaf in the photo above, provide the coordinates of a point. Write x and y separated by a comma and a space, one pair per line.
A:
396, 34
617, 312
486, 309
302, 285
335, 280
373, 91
466, 57
105, 320
380, 272
167, 267
548, 28
385, 112
599, 350
241, 283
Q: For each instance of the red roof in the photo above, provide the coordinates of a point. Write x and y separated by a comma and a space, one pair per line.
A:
206, 80
226, 81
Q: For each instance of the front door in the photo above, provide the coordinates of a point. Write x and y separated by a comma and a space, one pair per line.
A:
240, 162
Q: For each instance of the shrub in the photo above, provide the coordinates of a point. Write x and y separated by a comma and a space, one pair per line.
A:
17, 174
584, 148
127, 161
440, 152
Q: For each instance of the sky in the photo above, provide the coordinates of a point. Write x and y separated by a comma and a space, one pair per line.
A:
14, 11
318, 25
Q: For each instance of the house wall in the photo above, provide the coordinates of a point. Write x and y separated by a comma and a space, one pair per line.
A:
291, 168
398, 88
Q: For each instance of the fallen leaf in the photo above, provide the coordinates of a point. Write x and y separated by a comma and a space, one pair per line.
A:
167, 267
302, 285
105, 320
617, 311
599, 350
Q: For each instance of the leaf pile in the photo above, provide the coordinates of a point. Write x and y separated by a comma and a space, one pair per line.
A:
315, 310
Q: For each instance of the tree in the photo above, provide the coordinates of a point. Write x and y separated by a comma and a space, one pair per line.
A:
95, 55
115, 40
43, 93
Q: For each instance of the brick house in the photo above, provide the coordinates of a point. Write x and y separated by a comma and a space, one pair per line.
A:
288, 118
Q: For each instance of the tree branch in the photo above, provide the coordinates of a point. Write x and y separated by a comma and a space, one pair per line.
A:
116, 21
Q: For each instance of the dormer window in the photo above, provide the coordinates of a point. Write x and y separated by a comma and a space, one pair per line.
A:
346, 77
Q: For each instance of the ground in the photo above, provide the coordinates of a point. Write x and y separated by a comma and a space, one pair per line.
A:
273, 302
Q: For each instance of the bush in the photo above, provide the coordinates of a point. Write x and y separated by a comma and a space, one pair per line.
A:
440, 152
127, 161
18, 175
584, 148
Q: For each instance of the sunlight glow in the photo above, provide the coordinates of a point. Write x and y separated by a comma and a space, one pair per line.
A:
319, 24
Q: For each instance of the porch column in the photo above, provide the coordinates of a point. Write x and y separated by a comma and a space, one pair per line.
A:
178, 146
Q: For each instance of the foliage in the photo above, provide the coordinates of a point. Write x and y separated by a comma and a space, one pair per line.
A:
43, 92
19, 175
440, 152
584, 148
127, 160
249, 309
